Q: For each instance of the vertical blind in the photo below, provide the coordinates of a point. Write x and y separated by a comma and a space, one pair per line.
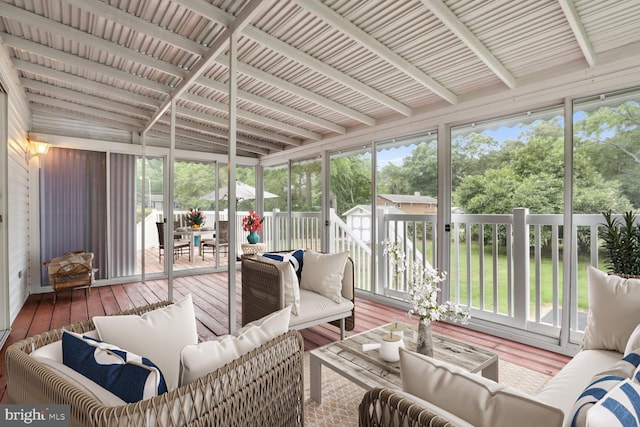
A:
73, 202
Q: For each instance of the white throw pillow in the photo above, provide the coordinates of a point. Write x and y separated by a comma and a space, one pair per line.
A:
613, 311
198, 360
289, 280
620, 407
473, 398
600, 385
323, 273
159, 334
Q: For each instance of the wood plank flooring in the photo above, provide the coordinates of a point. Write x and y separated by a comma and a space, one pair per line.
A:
209, 292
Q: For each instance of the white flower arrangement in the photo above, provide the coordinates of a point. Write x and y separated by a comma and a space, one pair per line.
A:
423, 295
424, 285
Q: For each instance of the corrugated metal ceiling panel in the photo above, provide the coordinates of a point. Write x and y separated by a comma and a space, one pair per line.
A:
64, 49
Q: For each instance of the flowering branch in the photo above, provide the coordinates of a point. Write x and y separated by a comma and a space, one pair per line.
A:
424, 285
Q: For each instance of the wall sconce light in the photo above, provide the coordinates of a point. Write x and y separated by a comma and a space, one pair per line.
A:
38, 149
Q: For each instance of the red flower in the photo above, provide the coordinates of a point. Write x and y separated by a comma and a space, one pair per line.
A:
252, 222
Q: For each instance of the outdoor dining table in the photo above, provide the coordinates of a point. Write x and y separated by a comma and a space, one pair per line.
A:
194, 234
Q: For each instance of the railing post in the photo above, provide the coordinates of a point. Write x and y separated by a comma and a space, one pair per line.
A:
332, 232
381, 264
521, 266
275, 230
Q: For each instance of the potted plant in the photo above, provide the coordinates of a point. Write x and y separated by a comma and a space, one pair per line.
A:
622, 244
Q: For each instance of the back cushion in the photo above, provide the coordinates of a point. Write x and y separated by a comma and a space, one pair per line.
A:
475, 399
160, 335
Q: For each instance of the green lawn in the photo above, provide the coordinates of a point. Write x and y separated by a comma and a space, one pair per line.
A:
546, 273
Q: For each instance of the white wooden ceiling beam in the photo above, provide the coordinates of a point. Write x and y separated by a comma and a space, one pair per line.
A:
318, 66
100, 121
68, 59
199, 117
579, 32
82, 110
65, 31
266, 103
249, 130
298, 91
206, 102
84, 99
451, 21
217, 47
104, 90
352, 31
122, 17
211, 12
208, 130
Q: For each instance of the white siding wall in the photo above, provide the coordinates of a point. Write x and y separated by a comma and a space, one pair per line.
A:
18, 183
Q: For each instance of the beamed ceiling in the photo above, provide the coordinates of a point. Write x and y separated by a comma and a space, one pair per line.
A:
307, 70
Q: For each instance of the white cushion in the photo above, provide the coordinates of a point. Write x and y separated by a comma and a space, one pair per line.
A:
475, 399
599, 385
613, 310
620, 407
314, 306
159, 334
289, 281
78, 380
54, 349
199, 359
323, 273
565, 387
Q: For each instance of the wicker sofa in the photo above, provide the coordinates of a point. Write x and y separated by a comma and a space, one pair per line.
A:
263, 293
263, 387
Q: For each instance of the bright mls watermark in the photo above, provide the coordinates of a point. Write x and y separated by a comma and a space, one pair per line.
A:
36, 415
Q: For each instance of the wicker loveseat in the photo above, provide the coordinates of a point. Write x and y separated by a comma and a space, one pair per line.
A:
263, 387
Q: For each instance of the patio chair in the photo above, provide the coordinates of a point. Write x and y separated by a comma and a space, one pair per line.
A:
179, 245
221, 239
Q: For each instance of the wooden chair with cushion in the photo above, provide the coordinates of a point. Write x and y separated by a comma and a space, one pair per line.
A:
221, 239
179, 245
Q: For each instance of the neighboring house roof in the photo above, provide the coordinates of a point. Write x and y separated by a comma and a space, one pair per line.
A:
366, 209
405, 198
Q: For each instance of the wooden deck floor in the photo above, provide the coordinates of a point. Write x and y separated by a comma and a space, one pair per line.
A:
209, 293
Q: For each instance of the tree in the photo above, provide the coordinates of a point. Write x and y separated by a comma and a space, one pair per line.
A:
610, 136
350, 182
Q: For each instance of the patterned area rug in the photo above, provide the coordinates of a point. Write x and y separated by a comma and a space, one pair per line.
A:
341, 397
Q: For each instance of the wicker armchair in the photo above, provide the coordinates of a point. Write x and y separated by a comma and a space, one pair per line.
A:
381, 407
263, 294
263, 387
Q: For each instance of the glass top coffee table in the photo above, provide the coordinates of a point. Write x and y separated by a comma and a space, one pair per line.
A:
369, 370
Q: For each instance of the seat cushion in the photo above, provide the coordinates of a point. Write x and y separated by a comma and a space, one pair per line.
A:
475, 399
159, 335
600, 384
565, 387
314, 306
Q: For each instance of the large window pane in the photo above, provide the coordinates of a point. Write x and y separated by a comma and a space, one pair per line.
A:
350, 210
276, 181
406, 202
605, 174
500, 166
305, 230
